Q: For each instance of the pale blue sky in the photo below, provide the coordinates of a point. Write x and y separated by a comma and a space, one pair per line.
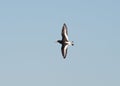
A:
29, 55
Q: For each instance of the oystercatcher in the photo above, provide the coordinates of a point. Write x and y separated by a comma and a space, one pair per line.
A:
64, 42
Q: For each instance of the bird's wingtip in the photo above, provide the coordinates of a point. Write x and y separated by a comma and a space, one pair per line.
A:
64, 57
64, 24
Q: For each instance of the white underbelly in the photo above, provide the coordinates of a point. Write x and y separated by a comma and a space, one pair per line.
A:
69, 43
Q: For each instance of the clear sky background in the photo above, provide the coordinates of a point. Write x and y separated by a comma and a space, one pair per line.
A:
29, 55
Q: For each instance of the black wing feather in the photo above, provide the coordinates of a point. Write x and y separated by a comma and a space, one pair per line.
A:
64, 29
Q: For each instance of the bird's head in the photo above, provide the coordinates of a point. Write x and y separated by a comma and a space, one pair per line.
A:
59, 41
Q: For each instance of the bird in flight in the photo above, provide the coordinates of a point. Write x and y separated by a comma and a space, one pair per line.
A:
64, 42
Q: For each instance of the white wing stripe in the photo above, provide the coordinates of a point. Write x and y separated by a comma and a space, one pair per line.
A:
65, 50
66, 34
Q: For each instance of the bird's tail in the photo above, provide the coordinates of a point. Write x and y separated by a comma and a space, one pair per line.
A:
72, 43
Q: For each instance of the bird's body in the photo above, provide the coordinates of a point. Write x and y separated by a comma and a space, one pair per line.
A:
65, 42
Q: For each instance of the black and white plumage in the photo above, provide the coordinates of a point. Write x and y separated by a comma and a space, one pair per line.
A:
65, 41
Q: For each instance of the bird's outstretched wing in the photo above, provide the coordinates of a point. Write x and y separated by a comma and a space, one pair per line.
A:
64, 50
64, 33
